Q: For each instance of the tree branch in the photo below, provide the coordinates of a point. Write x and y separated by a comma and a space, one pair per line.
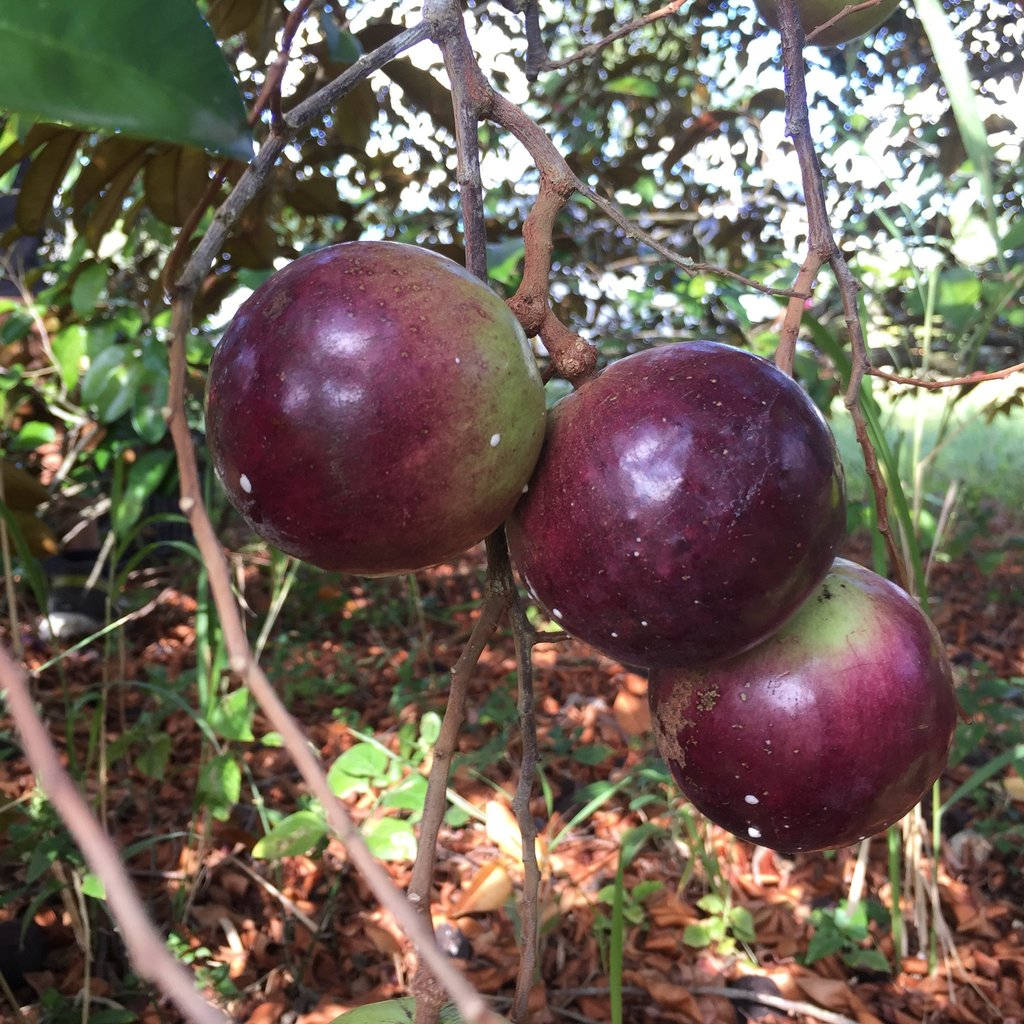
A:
822, 247
849, 9
470, 1003
146, 947
592, 48
529, 908
950, 382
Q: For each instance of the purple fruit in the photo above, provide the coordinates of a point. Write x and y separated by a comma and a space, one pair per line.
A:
686, 502
814, 13
374, 408
826, 733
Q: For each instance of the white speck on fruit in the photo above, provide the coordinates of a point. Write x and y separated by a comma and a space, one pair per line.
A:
638, 540
615, 635
754, 833
457, 360
751, 799
636, 554
526, 487
557, 614
495, 440
643, 622
245, 483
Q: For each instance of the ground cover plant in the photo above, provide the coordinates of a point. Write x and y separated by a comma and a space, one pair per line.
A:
425, 793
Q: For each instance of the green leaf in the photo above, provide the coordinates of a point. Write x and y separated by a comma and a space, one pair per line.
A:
741, 924
633, 85
390, 839
292, 836
867, 960
144, 477
342, 47
1014, 237
952, 63
712, 903
149, 69
824, 942
409, 795
32, 435
110, 382
394, 1011
68, 348
92, 886
232, 717
430, 728
697, 935
220, 785
592, 753
152, 762
88, 286
364, 760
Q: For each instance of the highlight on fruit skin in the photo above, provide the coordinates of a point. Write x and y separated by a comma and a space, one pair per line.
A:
374, 408
814, 13
686, 501
828, 732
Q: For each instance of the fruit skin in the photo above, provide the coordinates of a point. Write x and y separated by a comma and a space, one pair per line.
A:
686, 502
374, 408
824, 734
816, 12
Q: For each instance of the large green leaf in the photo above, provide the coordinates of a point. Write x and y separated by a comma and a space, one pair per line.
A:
149, 69
949, 56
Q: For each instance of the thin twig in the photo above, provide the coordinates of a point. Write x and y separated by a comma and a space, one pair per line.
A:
849, 9
791, 1006
471, 1005
822, 246
289, 905
149, 954
591, 48
949, 382
529, 910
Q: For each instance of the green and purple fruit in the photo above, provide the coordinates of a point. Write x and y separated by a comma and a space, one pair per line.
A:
814, 13
686, 502
374, 408
826, 733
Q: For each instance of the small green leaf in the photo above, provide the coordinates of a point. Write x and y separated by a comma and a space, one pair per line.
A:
712, 903
364, 760
220, 785
68, 349
232, 717
152, 70
430, 728
824, 942
867, 960
592, 753
741, 923
88, 286
92, 886
697, 935
633, 85
144, 477
110, 383
390, 839
292, 836
152, 761
409, 795
32, 435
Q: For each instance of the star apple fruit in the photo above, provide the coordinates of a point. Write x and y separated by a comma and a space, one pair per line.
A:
826, 733
686, 501
374, 408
